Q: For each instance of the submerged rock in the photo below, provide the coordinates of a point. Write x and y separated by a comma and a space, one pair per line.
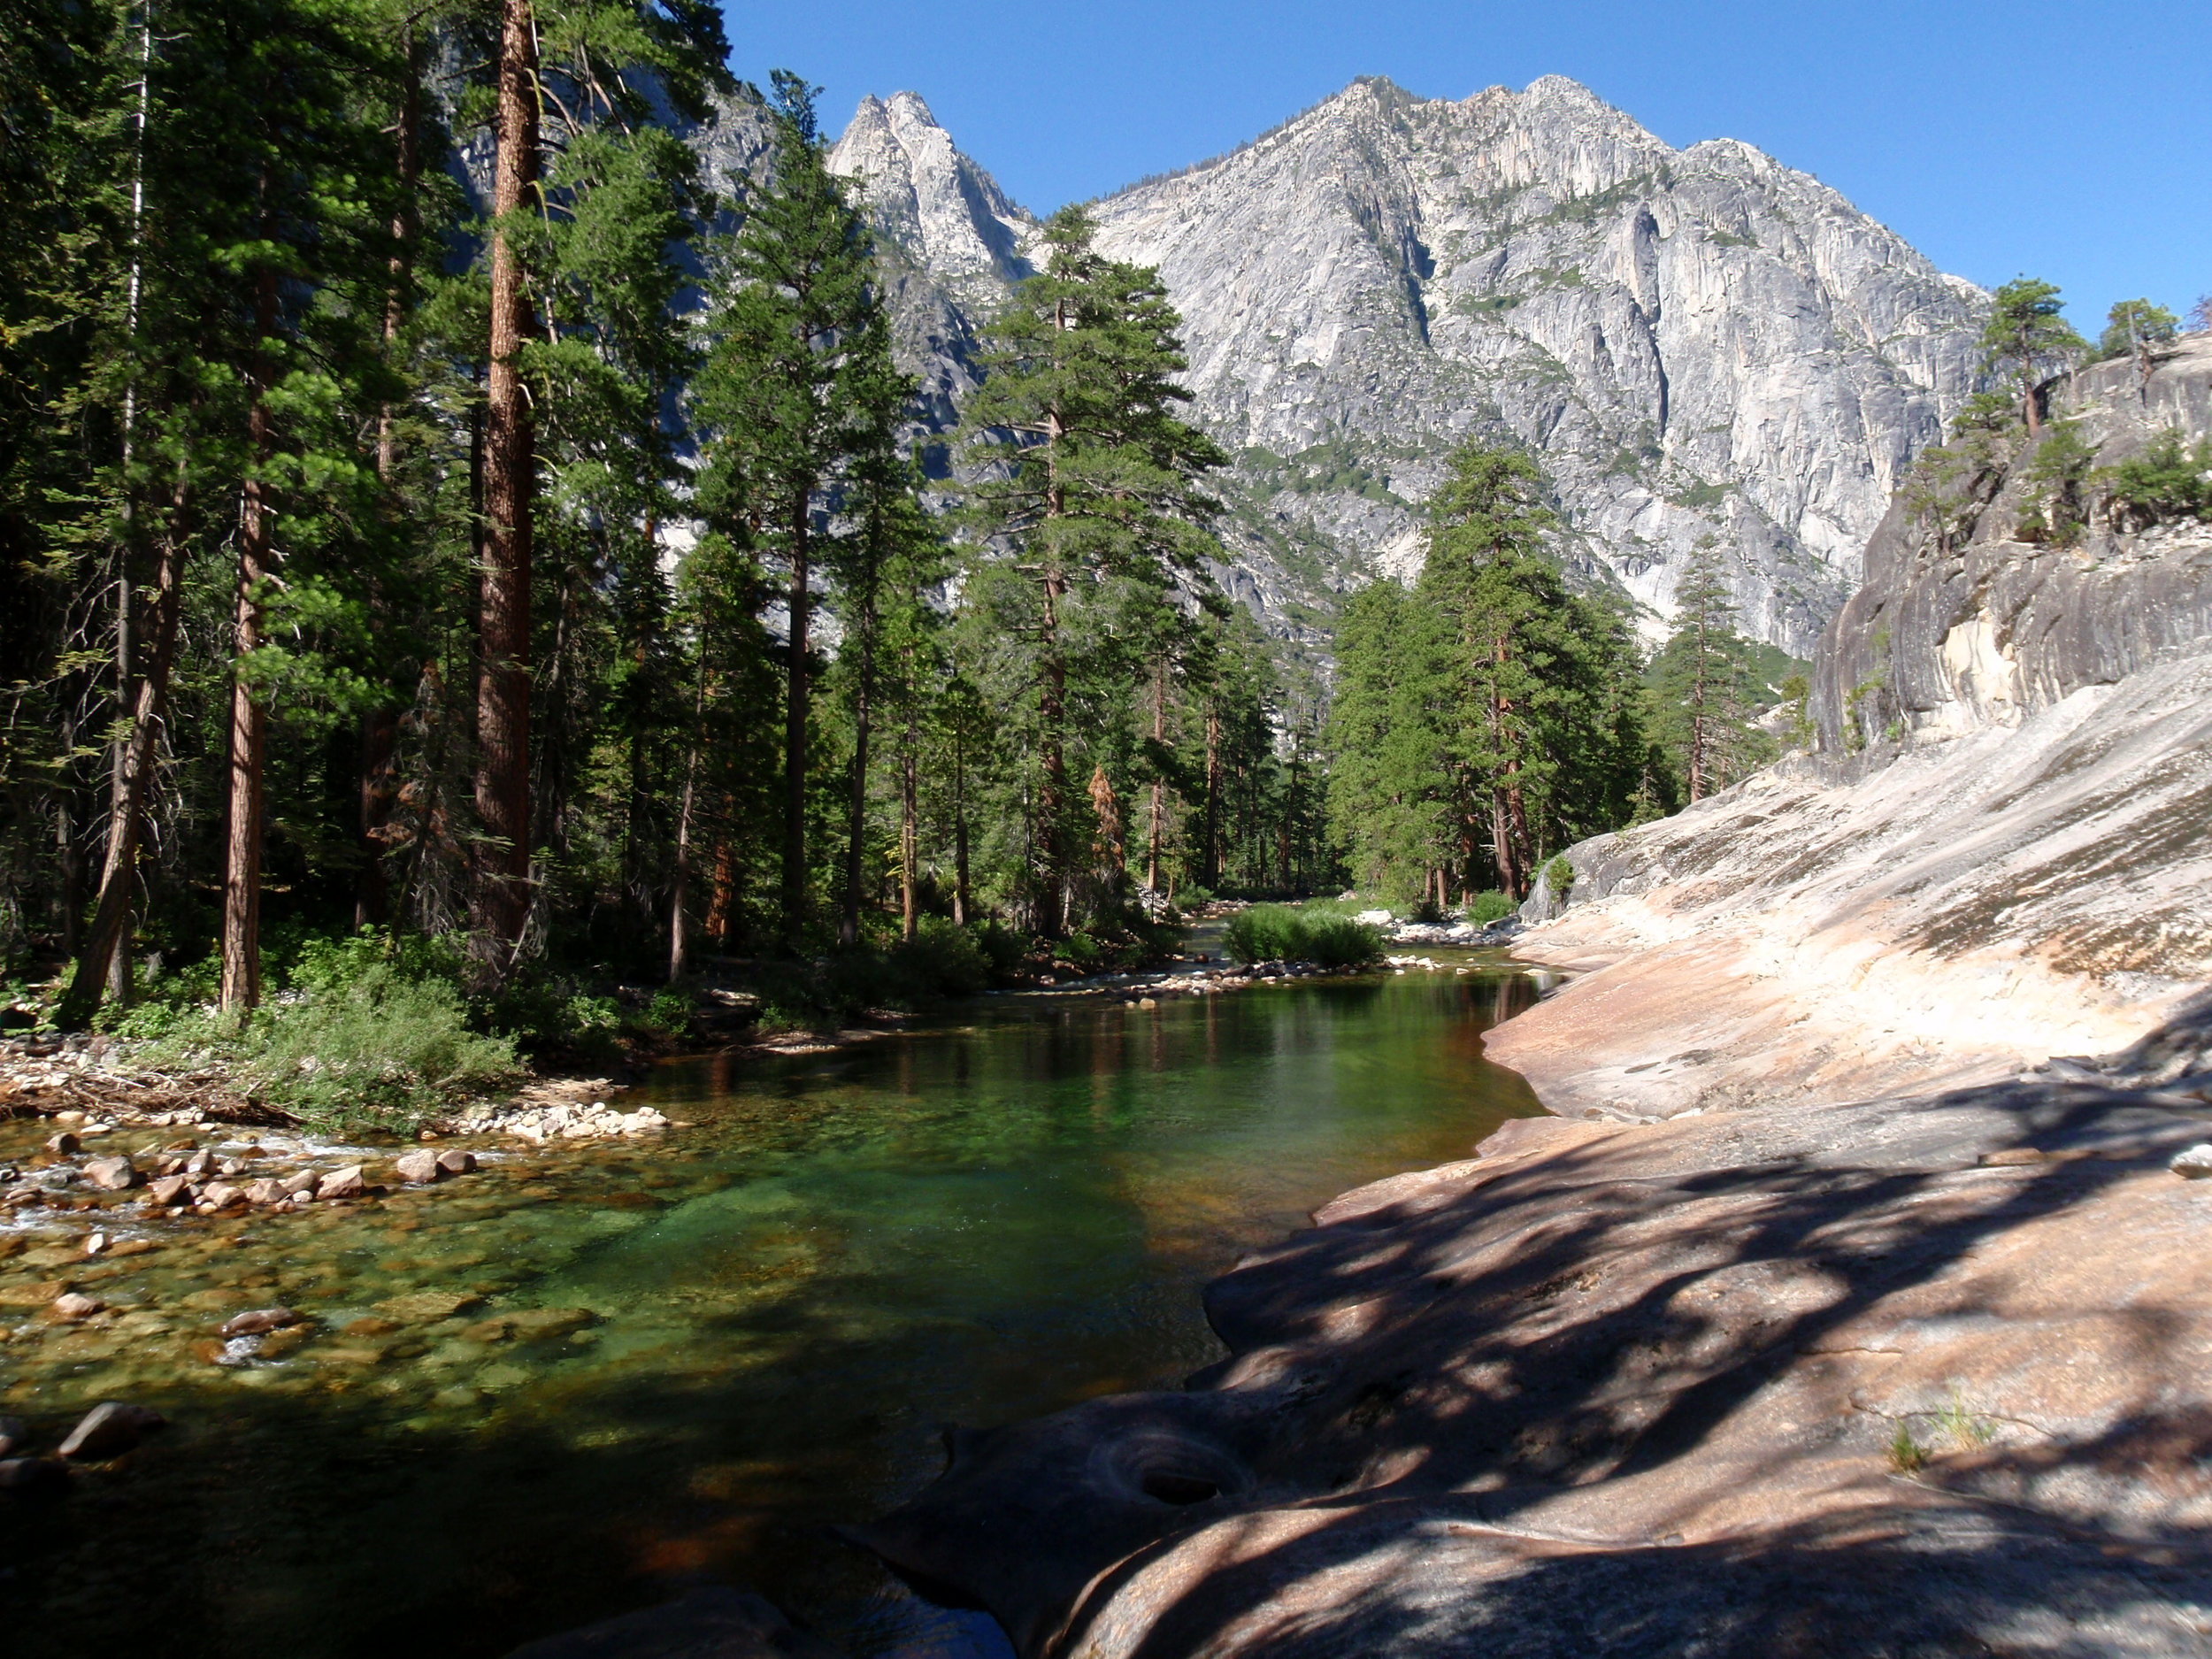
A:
258, 1321
109, 1429
710, 1623
34, 1476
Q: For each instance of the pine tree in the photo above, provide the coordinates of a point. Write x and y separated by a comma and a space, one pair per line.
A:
2027, 337
1391, 787
1703, 677
2136, 328
1090, 481
1486, 573
797, 388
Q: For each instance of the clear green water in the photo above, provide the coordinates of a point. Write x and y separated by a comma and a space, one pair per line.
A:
686, 1359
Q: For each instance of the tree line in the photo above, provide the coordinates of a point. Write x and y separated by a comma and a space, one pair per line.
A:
1492, 715
429, 502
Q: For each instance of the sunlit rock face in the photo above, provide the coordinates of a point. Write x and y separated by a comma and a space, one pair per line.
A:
1965, 623
1695, 343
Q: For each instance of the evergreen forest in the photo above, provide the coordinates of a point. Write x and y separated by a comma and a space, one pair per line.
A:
446, 532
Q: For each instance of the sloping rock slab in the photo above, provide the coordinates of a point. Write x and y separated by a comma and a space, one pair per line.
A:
709, 1623
1921, 1376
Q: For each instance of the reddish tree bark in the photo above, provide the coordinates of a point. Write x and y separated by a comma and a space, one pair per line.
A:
502, 695
248, 720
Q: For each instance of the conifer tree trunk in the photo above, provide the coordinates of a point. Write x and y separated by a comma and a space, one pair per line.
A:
910, 916
1507, 826
959, 831
679, 941
1209, 857
380, 726
1697, 718
795, 696
502, 700
248, 720
1052, 696
1159, 736
118, 875
722, 897
856, 806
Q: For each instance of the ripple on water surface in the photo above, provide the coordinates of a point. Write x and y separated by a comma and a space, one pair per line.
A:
558, 1387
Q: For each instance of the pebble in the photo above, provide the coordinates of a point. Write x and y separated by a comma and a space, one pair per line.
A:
418, 1168
266, 1191
64, 1145
2194, 1163
111, 1429
72, 1305
222, 1194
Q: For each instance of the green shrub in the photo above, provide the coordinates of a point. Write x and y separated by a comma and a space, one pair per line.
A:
2164, 483
944, 959
551, 1017
669, 1010
1277, 933
367, 1032
1561, 875
1485, 907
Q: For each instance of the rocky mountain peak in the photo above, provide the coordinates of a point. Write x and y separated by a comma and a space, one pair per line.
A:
1697, 342
931, 202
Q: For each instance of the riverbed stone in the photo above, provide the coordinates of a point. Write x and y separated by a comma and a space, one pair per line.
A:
114, 1174
457, 1161
427, 1307
342, 1183
109, 1429
171, 1189
14, 1435
259, 1320
71, 1306
266, 1191
222, 1196
418, 1169
63, 1144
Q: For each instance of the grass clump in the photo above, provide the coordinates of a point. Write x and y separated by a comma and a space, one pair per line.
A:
1279, 933
1485, 907
1906, 1456
367, 1031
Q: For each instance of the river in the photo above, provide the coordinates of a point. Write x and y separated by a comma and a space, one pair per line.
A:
585, 1378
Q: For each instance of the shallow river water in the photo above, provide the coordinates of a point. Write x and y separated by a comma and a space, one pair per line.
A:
584, 1377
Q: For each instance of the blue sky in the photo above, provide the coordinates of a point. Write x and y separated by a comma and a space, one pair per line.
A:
2070, 141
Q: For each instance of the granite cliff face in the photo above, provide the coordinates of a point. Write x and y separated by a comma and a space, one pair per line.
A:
1962, 624
1994, 853
1696, 343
